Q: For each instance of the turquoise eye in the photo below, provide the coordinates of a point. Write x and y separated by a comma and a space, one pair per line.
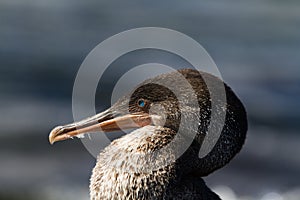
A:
141, 103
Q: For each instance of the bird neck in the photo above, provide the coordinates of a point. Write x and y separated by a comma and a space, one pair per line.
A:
125, 167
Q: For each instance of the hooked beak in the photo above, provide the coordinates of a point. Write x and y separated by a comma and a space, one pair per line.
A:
101, 122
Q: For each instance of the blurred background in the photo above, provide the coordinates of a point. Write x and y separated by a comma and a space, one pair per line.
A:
255, 44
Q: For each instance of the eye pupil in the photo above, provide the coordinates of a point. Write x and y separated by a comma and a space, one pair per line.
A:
141, 103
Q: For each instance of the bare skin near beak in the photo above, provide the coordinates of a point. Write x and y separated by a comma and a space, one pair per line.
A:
100, 122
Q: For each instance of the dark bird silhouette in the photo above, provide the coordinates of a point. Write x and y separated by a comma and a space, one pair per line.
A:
139, 165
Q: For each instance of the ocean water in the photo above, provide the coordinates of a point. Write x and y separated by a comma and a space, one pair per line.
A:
255, 44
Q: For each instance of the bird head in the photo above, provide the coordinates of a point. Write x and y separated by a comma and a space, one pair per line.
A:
183, 108
150, 103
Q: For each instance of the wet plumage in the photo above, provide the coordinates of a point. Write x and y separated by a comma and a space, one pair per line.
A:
131, 168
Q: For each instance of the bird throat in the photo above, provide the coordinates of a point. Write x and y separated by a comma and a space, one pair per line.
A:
126, 168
